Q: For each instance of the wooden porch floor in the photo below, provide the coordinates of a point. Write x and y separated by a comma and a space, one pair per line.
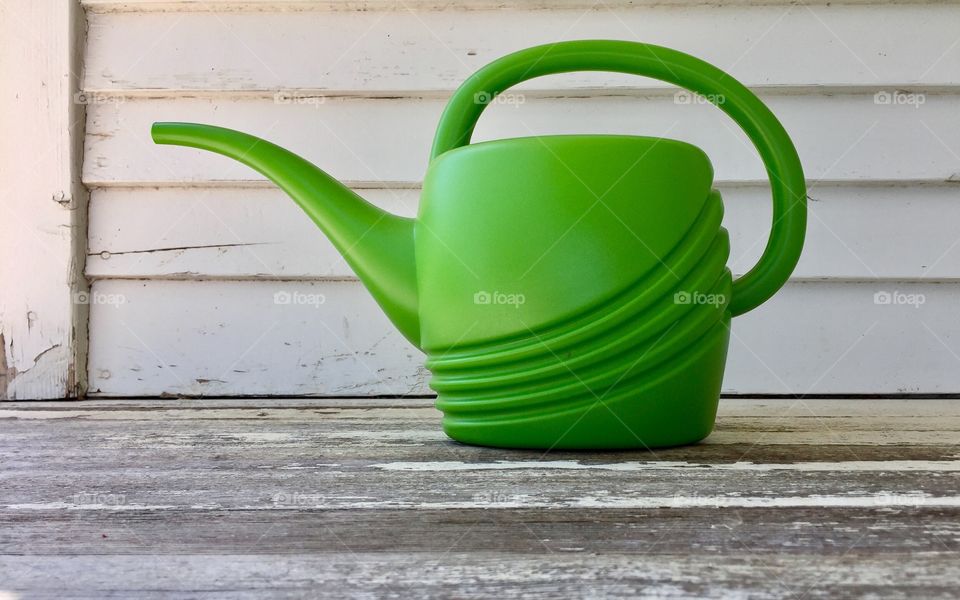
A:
347, 498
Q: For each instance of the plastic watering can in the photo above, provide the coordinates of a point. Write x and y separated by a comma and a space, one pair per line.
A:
569, 291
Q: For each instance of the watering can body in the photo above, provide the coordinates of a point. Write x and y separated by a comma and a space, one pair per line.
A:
561, 291
570, 292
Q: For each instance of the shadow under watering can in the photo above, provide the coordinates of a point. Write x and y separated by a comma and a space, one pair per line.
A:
570, 291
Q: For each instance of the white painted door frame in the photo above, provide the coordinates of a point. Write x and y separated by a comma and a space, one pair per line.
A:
44, 296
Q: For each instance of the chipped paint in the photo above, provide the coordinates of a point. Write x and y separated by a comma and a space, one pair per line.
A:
7, 373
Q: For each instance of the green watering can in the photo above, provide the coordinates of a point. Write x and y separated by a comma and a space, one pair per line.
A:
569, 291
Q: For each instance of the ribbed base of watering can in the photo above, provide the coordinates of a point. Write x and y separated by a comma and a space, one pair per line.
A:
643, 369
672, 404
639, 369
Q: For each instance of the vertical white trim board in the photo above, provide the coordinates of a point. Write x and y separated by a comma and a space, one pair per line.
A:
42, 202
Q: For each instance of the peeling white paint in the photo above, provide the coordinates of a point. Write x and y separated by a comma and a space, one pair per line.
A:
42, 377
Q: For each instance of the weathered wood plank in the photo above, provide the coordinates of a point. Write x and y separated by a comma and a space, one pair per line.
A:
232, 337
692, 531
260, 437
355, 458
565, 574
854, 232
843, 137
316, 483
373, 51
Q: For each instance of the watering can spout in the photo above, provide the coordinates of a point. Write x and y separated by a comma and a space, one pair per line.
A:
378, 245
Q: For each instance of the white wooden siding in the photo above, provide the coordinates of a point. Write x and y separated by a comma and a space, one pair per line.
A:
187, 249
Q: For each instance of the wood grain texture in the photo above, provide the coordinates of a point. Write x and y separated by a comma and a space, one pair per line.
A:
356, 498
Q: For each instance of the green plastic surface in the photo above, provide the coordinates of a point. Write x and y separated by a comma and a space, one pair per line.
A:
569, 291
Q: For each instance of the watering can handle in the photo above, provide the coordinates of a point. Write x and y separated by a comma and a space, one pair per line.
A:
779, 155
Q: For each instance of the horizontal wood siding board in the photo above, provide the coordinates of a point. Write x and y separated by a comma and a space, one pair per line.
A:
226, 337
898, 232
437, 49
839, 138
157, 337
226, 6
602, 89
